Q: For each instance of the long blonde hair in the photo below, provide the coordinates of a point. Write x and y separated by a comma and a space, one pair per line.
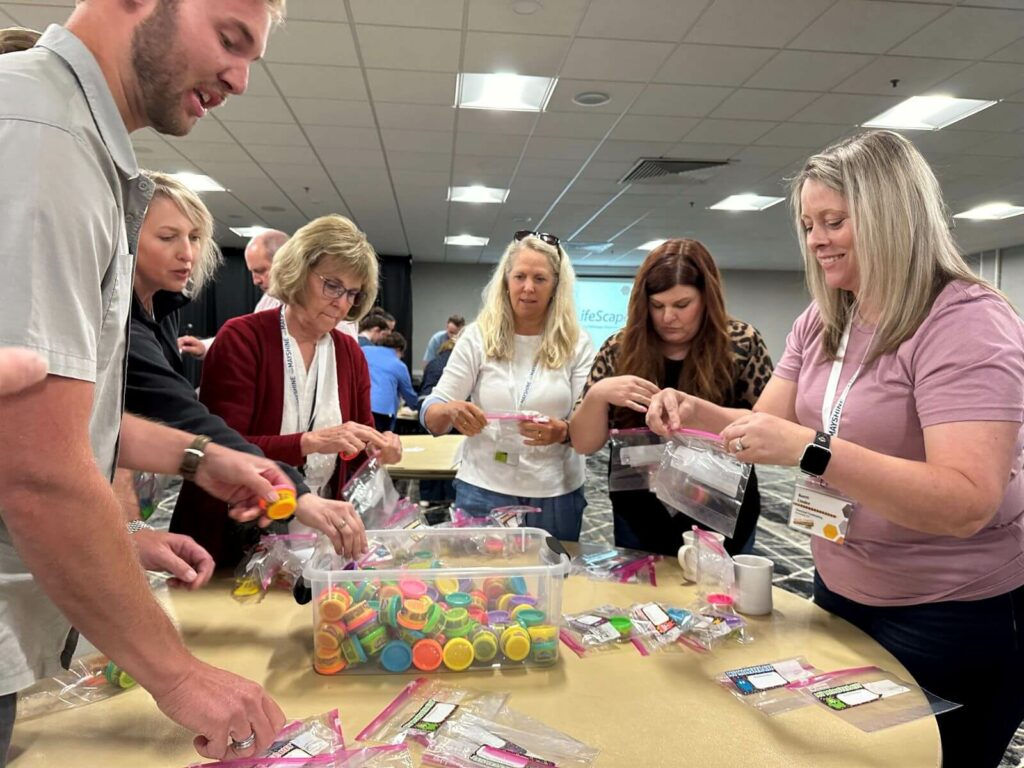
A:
905, 252
209, 259
561, 328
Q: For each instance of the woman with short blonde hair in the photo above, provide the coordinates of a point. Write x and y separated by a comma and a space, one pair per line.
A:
526, 356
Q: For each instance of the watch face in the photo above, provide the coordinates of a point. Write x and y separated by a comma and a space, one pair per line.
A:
815, 459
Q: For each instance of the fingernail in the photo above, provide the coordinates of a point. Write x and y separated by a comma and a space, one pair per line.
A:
190, 575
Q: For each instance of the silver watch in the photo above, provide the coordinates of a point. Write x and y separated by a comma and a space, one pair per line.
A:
134, 526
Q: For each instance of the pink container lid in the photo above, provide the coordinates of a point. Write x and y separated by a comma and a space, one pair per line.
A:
718, 598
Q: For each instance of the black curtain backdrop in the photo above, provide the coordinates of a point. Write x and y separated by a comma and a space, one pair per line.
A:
232, 293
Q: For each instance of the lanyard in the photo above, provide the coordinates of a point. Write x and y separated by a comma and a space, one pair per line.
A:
831, 414
289, 362
526, 389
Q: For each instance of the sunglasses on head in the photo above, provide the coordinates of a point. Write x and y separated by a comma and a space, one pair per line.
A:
544, 237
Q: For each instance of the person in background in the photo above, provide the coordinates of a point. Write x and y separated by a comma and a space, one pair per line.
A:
372, 329
287, 379
389, 380
452, 329
902, 389
386, 316
176, 259
525, 352
433, 370
677, 334
66, 126
13, 39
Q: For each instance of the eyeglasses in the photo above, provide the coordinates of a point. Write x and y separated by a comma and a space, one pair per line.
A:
544, 237
334, 289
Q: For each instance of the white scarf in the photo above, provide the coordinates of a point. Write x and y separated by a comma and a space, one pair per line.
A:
311, 401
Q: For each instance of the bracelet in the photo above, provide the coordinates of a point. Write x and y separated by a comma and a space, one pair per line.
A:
194, 454
134, 526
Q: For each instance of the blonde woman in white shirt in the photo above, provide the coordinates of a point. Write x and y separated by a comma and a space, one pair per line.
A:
525, 352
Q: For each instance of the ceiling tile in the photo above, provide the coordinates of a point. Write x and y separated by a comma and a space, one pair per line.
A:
417, 140
255, 109
845, 108
419, 161
251, 134
666, 20
332, 112
652, 128
487, 145
335, 137
315, 10
1013, 52
754, 22
613, 150
38, 16
568, 149
549, 167
200, 152
712, 65
339, 161
522, 54
808, 135
807, 71
474, 165
412, 87
865, 26
268, 153
752, 104
985, 80
965, 33
614, 59
490, 121
729, 131
427, 117
442, 14
1005, 116
621, 95
679, 100
915, 75
574, 125
433, 50
208, 129
313, 82
312, 42
552, 18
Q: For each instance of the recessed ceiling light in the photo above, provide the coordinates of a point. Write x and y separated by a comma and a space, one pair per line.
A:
746, 203
991, 212
650, 245
465, 240
927, 113
591, 98
249, 232
516, 93
477, 194
526, 7
197, 182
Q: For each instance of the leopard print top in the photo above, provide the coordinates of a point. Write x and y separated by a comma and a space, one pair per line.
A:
751, 363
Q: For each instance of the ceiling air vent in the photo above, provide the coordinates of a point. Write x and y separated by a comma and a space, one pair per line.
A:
658, 169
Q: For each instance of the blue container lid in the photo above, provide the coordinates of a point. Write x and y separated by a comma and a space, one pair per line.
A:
396, 656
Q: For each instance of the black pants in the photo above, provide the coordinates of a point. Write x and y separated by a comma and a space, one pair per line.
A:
8, 709
383, 423
969, 652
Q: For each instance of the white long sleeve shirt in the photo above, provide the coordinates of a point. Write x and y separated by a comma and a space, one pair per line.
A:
501, 386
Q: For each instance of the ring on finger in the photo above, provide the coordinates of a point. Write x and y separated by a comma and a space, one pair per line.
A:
245, 743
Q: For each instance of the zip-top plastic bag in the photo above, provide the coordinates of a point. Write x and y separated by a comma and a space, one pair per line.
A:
425, 708
625, 566
635, 455
765, 686
503, 427
513, 740
697, 477
870, 698
309, 742
601, 629
658, 627
716, 574
372, 493
515, 516
275, 562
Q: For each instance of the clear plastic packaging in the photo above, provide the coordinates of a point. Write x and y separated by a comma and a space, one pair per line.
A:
765, 686
515, 516
503, 427
635, 456
697, 477
313, 741
438, 599
625, 566
716, 573
426, 709
88, 679
870, 698
511, 741
659, 627
372, 493
601, 629
275, 562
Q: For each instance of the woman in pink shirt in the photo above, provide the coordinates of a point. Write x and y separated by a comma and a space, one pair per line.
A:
902, 389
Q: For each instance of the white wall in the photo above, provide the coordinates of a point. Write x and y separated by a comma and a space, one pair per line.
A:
1012, 274
768, 300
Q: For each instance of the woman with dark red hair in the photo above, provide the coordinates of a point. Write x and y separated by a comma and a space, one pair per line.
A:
677, 335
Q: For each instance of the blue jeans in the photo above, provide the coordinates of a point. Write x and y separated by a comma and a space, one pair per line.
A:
561, 516
8, 709
970, 652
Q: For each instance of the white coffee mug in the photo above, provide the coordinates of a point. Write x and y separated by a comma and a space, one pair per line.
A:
753, 584
687, 554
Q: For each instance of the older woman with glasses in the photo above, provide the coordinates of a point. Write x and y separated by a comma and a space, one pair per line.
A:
525, 352
286, 378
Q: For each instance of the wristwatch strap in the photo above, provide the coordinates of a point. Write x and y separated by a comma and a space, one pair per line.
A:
134, 526
192, 457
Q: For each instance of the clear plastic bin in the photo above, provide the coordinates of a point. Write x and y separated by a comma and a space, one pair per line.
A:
438, 600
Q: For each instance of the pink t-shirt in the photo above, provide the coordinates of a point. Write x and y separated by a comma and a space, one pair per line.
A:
964, 363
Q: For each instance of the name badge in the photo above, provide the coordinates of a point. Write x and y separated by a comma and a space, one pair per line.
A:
820, 511
507, 457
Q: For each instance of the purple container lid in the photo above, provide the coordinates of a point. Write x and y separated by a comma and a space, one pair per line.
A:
521, 600
498, 617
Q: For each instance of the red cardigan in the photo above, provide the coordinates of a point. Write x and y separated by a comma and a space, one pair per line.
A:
243, 383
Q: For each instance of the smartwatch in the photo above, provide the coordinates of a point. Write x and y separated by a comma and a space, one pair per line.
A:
816, 455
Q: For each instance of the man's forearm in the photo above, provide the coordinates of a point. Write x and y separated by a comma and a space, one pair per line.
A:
151, 447
111, 605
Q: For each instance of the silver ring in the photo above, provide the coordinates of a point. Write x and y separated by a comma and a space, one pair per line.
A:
738, 445
244, 743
